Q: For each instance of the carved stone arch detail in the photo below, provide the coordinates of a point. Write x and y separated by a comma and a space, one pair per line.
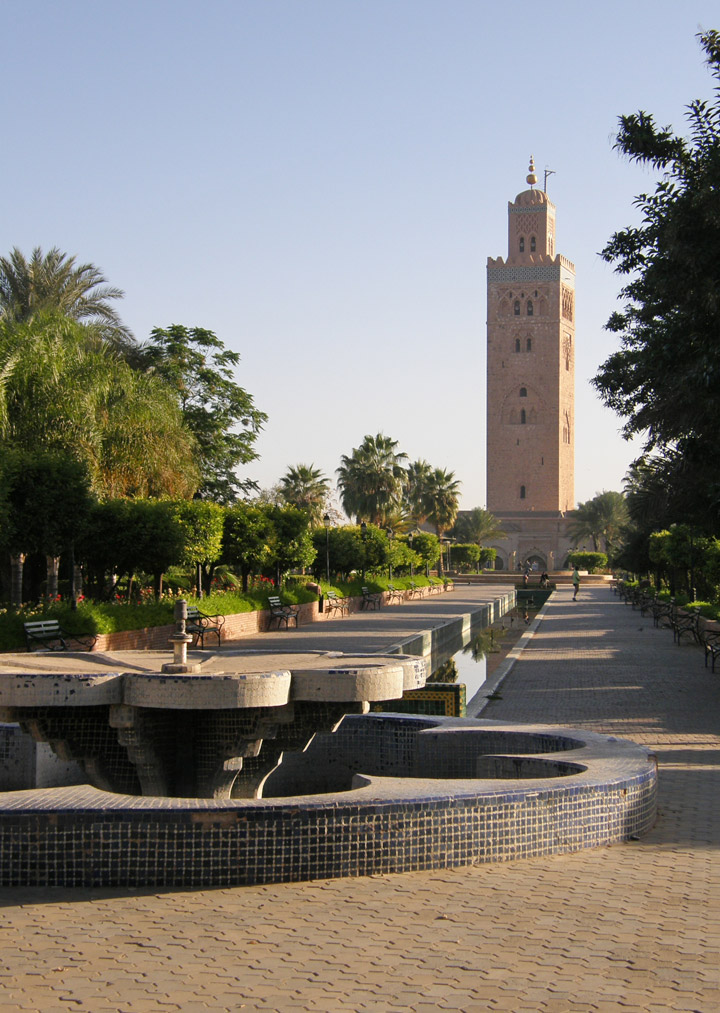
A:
533, 404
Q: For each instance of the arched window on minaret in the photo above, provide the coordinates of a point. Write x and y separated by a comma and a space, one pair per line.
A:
517, 344
523, 417
529, 344
521, 244
529, 307
516, 308
522, 492
532, 244
523, 392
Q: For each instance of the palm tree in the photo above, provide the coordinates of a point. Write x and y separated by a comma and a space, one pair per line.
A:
306, 487
600, 519
478, 526
371, 480
416, 491
444, 496
63, 393
53, 282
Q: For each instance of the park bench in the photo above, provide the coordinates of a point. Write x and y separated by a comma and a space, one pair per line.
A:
710, 640
281, 613
436, 586
48, 633
395, 594
200, 624
415, 591
370, 599
662, 612
336, 603
686, 623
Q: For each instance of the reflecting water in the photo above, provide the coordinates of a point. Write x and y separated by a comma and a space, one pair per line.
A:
468, 662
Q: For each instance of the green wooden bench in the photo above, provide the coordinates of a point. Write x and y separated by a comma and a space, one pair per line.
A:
370, 599
281, 613
49, 634
335, 603
395, 594
199, 624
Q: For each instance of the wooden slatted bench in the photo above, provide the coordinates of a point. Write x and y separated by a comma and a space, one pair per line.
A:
199, 624
281, 613
49, 634
370, 599
395, 594
335, 603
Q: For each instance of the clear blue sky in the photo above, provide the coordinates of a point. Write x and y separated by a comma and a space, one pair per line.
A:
320, 182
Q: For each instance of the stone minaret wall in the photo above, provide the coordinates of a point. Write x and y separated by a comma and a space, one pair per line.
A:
530, 366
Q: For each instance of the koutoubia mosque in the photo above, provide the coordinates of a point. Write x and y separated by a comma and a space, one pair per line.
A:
531, 387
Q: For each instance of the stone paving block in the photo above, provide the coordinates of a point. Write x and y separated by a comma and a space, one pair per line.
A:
568, 922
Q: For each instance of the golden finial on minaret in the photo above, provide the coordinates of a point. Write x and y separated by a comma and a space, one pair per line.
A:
531, 177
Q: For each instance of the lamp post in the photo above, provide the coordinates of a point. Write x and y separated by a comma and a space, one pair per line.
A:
363, 535
326, 522
391, 535
410, 541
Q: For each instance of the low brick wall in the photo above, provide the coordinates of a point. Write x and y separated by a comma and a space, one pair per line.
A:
238, 625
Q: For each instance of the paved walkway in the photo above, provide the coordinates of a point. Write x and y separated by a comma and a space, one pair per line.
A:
634, 928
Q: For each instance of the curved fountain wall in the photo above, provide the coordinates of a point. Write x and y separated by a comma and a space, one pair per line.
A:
384, 793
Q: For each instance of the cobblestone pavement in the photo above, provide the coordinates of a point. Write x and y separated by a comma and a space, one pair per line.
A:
631, 928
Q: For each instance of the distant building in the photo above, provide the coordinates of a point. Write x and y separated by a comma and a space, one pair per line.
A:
531, 387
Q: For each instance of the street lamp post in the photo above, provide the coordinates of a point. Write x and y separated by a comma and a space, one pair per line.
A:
391, 535
326, 522
410, 541
363, 535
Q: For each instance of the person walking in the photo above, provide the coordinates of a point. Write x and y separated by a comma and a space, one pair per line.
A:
576, 582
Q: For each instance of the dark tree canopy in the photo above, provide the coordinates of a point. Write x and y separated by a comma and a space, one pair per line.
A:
665, 378
201, 372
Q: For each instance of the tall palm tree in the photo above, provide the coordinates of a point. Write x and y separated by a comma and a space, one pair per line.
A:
63, 393
372, 479
306, 487
53, 282
478, 526
444, 496
601, 519
416, 491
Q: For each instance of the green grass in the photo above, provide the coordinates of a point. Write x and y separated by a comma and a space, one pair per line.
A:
111, 617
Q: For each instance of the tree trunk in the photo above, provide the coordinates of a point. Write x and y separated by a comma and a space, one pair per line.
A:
53, 571
17, 564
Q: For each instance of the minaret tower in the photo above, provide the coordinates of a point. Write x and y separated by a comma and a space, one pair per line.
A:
531, 385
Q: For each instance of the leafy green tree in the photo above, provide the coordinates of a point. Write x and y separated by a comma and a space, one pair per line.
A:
590, 561
428, 547
487, 558
372, 480
663, 381
46, 498
345, 550
466, 557
201, 525
247, 539
291, 541
201, 371
304, 486
55, 283
132, 536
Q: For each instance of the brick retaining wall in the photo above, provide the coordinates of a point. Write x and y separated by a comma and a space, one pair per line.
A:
238, 625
